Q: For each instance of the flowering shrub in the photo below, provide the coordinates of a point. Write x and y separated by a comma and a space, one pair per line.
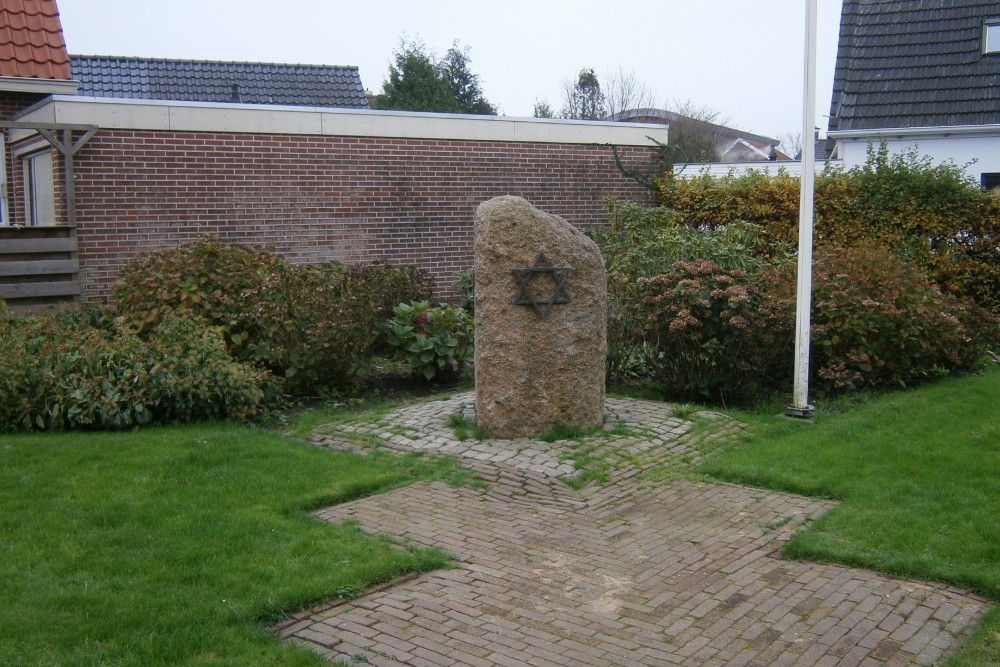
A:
645, 242
437, 341
712, 329
878, 321
61, 372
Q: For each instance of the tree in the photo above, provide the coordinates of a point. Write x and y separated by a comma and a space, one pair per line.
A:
584, 99
463, 84
543, 110
791, 143
695, 133
418, 81
415, 82
624, 91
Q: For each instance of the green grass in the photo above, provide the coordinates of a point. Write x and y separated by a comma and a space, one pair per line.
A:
918, 477
465, 428
179, 545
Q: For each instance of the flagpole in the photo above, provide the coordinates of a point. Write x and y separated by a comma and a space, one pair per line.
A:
800, 406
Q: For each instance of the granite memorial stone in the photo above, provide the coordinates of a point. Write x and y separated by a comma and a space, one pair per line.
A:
541, 322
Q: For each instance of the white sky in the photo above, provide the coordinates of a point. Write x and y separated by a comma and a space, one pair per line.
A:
741, 57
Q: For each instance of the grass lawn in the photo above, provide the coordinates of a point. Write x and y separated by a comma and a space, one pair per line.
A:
918, 474
178, 545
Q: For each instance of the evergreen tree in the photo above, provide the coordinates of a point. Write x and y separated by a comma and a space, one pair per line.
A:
543, 110
419, 82
584, 98
463, 84
415, 82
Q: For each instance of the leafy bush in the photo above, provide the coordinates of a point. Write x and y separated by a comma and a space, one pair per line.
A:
929, 213
437, 341
390, 286
465, 285
878, 321
643, 242
712, 330
311, 325
61, 372
205, 278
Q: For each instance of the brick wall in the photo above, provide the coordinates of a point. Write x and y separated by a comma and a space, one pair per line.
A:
318, 198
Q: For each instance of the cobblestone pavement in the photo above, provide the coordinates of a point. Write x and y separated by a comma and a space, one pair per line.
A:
643, 569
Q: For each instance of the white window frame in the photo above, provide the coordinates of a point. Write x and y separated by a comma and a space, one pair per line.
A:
991, 36
4, 208
38, 211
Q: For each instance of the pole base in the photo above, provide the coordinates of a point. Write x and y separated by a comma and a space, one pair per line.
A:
807, 412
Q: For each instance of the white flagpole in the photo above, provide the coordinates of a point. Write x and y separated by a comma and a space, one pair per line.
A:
800, 400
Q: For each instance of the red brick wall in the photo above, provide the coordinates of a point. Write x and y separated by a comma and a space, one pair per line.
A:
314, 198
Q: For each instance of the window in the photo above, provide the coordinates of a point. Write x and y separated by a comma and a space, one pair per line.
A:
989, 181
991, 36
4, 209
39, 189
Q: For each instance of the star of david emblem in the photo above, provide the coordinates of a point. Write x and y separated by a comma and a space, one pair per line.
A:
559, 276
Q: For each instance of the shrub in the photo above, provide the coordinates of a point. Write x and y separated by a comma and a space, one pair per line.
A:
929, 213
311, 325
465, 285
437, 341
388, 287
643, 242
878, 321
712, 329
61, 372
205, 278
314, 325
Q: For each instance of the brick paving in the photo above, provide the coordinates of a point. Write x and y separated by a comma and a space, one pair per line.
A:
642, 569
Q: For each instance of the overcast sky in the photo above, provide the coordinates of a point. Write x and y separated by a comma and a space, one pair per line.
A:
743, 58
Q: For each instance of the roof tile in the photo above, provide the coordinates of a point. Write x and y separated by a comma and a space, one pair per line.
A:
31, 40
915, 63
211, 81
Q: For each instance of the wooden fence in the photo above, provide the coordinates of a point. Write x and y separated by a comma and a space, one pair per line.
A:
39, 268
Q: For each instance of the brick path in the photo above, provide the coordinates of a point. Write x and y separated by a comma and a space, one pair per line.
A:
641, 570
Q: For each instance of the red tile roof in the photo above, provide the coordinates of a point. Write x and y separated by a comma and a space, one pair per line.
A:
31, 40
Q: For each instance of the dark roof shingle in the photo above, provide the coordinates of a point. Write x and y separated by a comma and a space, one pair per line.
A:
211, 81
915, 63
31, 40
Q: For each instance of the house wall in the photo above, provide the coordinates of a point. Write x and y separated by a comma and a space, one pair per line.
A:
978, 153
315, 197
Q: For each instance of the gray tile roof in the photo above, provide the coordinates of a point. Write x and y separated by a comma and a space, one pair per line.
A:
915, 63
201, 81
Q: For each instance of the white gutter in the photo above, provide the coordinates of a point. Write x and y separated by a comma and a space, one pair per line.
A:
939, 130
16, 84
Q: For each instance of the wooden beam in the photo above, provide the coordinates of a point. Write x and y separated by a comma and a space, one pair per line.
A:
9, 246
39, 267
29, 290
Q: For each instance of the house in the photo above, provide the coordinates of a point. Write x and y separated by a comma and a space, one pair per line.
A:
207, 81
729, 144
93, 180
920, 74
35, 266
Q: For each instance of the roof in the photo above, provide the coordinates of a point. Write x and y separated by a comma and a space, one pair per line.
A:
31, 40
664, 117
915, 63
210, 81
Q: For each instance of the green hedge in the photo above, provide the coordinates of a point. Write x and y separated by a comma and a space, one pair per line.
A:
929, 213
